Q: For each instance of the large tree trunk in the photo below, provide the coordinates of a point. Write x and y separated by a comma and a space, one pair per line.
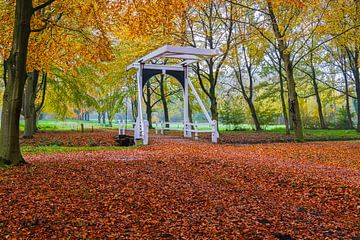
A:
12, 100
29, 104
35, 126
5, 71
294, 108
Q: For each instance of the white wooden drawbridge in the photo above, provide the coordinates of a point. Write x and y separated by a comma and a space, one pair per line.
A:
179, 71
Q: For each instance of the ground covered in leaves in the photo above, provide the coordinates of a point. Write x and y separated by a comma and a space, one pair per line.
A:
182, 189
71, 138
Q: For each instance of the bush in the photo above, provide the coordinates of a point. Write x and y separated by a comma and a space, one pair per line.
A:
342, 119
230, 114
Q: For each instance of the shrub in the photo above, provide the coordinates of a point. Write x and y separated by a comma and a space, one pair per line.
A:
342, 119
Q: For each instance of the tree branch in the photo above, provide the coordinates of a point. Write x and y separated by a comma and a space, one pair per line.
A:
41, 6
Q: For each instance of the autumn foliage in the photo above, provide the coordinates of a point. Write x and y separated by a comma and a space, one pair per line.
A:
184, 189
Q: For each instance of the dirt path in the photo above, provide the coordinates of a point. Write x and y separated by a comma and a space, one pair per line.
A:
183, 189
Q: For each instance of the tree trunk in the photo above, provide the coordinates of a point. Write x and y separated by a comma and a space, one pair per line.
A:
148, 104
104, 117
253, 114
317, 95
347, 98
29, 104
163, 100
294, 108
99, 117
35, 127
283, 104
5, 72
357, 87
213, 102
14, 90
110, 120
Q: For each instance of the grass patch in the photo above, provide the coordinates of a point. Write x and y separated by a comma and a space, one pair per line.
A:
325, 134
34, 150
5, 166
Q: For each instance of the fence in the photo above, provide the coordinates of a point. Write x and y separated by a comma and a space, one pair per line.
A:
195, 128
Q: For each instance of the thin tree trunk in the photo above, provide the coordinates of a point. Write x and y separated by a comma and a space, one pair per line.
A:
42, 102
317, 94
109, 119
294, 108
148, 104
13, 94
283, 104
163, 100
347, 98
253, 114
213, 100
357, 87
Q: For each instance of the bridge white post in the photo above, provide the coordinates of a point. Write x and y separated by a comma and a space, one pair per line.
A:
146, 133
187, 133
139, 127
215, 133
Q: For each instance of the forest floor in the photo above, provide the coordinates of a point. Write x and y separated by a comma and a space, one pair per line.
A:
177, 188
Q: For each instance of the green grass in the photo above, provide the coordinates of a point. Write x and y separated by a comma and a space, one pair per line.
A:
317, 134
68, 125
333, 134
31, 150
4, 166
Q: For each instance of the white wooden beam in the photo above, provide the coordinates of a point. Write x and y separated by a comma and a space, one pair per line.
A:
172, 51
156, 67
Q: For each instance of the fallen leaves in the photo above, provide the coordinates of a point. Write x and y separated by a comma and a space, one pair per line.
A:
178, 188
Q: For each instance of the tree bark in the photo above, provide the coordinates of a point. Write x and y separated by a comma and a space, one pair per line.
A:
347, 97
283, 104
5, 72
13, 94
29, 104
357, 85
163, 100
253, 114
294, 108
148, 104
317, 94
109, 119
99, 117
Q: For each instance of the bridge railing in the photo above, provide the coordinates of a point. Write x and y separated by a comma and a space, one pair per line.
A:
195, 128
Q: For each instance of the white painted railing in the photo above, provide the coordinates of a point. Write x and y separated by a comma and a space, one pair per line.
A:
124, 126
189, 127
